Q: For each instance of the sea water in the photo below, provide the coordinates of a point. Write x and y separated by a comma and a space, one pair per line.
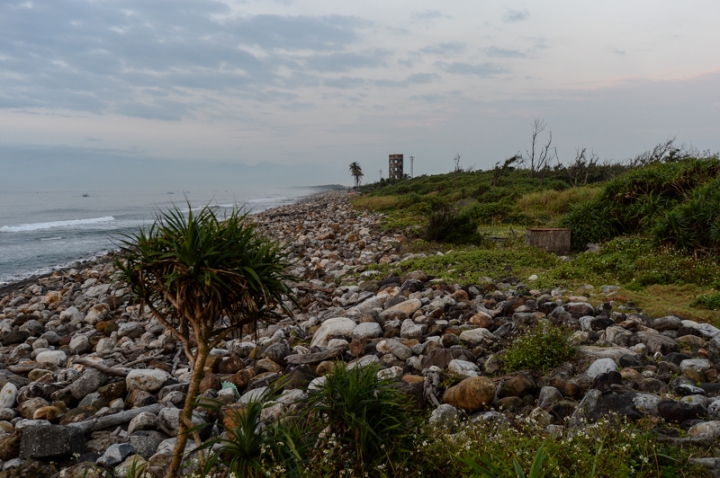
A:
45, 230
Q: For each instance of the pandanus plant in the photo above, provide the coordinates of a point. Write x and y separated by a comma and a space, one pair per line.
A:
204, 278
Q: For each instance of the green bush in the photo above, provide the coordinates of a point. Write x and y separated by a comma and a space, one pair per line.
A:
361, 421
454, 227
541, 348
707, 301
665, 198
694, 224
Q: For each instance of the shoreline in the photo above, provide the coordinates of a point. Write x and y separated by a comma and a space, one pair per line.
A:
109, 255
95, 361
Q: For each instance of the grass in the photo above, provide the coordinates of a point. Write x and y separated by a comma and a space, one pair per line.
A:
473, 265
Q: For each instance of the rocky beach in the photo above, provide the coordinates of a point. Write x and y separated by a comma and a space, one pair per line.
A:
89, 381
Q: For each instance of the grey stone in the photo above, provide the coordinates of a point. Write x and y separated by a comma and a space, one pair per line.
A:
146, 442
586, 408
116, 454
549, 396
80, 345
51, 441
443, 416
600, 366
367, 330
143, 421
88, 382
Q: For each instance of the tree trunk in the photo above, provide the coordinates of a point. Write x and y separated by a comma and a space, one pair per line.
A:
186, 416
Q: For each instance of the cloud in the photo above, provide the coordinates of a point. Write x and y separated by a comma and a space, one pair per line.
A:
515, 16
426, 15
444, 48
482, 69
504, 53
120, 56
346, 61
414, 79
344, 82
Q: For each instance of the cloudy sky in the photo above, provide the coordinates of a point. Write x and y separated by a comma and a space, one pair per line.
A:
330, 82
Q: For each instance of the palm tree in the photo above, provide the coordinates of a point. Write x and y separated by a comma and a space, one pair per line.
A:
356, 172
204, 279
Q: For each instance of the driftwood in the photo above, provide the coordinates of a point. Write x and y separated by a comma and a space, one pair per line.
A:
103, 368
116, 419
298, 359
310, 287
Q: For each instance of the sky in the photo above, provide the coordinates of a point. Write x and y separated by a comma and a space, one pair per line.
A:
311, 86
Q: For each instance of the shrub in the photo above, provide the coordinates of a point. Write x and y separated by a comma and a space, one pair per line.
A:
454, 227
707, 301
541, 348
361, 421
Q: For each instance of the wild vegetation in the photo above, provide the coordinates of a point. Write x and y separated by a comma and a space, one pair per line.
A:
204, 278
655, 216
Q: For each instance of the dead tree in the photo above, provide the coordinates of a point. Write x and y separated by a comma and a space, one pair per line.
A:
539, 157
584, 165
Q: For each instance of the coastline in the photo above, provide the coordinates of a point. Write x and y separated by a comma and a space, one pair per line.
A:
94, 361
110, 254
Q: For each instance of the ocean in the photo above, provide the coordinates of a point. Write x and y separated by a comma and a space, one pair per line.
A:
41, 231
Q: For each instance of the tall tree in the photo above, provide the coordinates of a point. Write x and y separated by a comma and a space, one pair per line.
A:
356, 172
204, 279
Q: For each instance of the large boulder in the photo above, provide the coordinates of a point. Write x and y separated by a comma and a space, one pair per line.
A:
472, 394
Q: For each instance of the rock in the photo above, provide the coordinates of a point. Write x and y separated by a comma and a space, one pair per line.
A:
332, 328
443, 416
231, 365
143, 421
97, 313
390, 374
667, 323
146, 443
463, 368
586, 408
51, 442
615, 353
472, 394
647, 403
8, 395
169, 420
549, 396
402, 352
518, 385
80, 345
113, 390
116, 454
409, 307
10, 446
71, 314
707, 331
367, 331
656, 343
579, 309
149, 380
88, 382
49, 413
706, 431
674, 411
277, 352
27, 408
52, 357
479, 336
603, 365
15, 337
411, 330
695, 365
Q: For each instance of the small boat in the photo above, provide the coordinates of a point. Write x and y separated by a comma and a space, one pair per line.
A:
86, 195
